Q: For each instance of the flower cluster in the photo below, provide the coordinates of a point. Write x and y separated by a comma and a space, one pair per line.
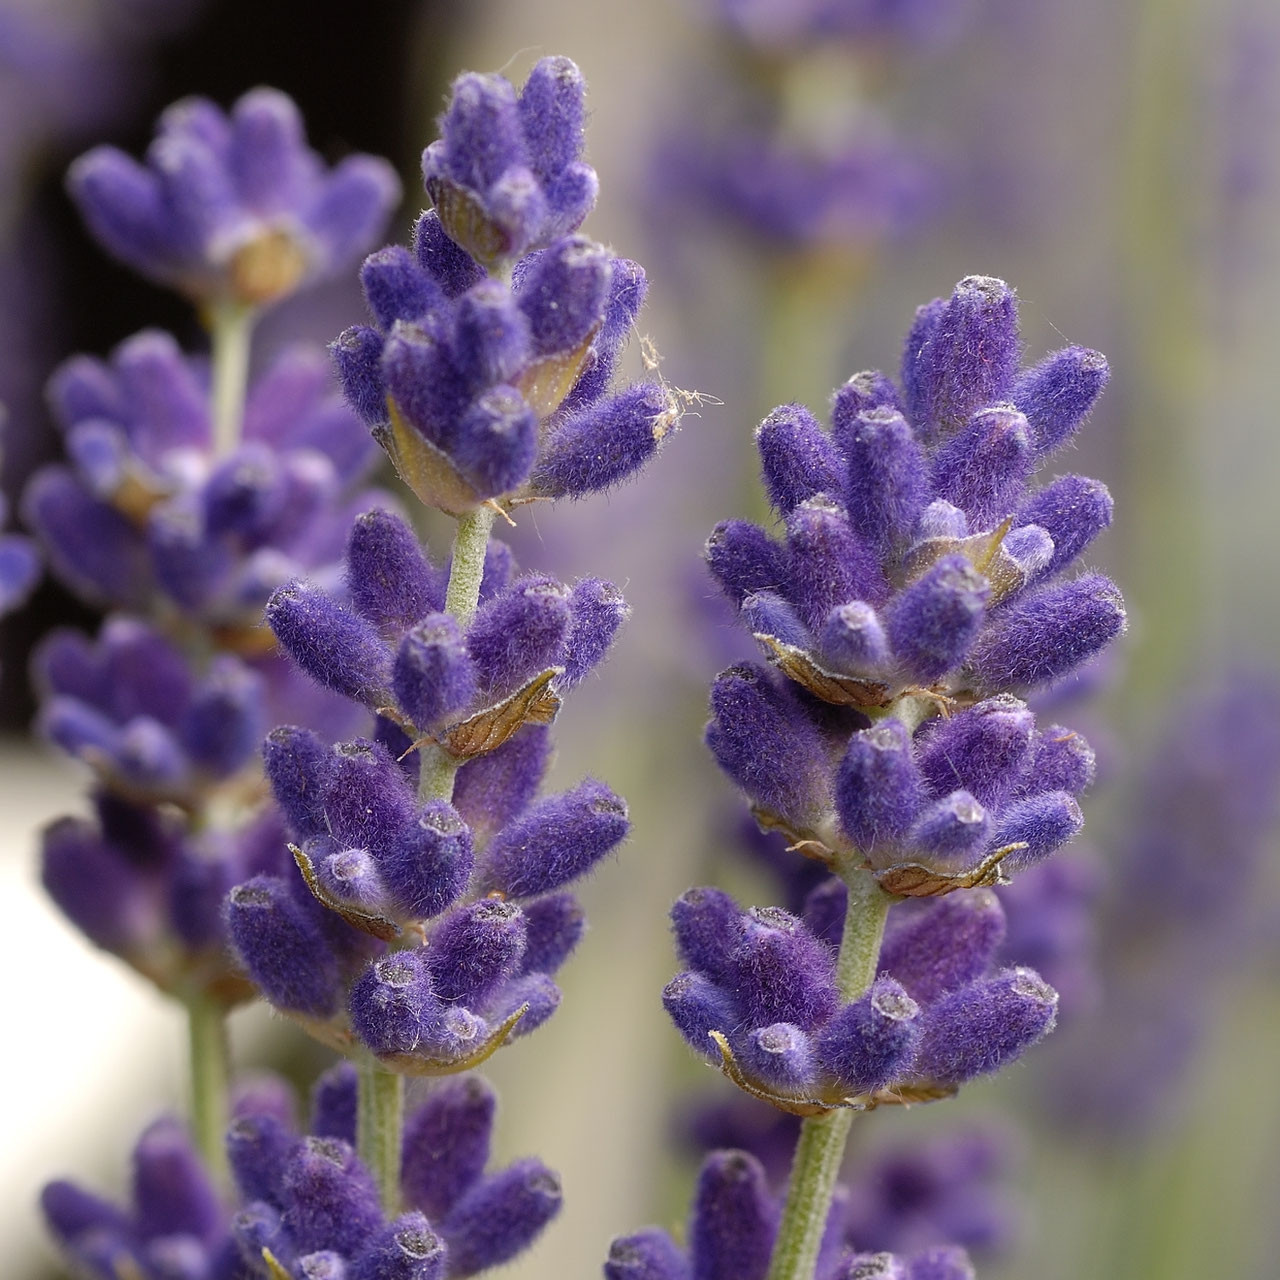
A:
488, 374
483, 866
305, 1205
151, 508
761, 996
233, 207
732, 1227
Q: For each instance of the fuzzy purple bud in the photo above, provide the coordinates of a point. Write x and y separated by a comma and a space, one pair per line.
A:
797, 458
984, 749
393, 1002
1057, 394
781, 1055
734, 1219
429, 864
982, 468
744, 559
878, 787
446, 1144
944, 945
1073, 511
886, 481
854, 640
781, 972
951, 831
434, 676
520, 633
1047, 634
554, 927
556, 840
1043, 822
475, 949
933, 623
597, 610
869, 1043
330, 1201
392, 585
405, 1249
297, 764
697, 1007
649, 1254
827, 563
500, 1216
985, 1025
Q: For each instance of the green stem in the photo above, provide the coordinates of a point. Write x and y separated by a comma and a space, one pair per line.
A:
210, 1075
819, 1151
230, 333
437, 767
378, 1129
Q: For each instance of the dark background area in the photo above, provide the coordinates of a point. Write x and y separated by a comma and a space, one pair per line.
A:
367, 78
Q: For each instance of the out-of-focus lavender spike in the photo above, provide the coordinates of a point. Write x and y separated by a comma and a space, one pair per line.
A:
733, 1219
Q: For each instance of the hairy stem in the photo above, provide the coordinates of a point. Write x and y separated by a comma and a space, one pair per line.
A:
379, 1123
210, 1075
230, 333
819, 1151
437, 767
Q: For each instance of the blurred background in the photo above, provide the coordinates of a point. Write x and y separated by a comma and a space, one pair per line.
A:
793, 198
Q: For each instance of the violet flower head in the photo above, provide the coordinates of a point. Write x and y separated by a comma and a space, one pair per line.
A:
759, 999
933, 566
305, 1206
730, 1235
489, 374
233, 207
149, 508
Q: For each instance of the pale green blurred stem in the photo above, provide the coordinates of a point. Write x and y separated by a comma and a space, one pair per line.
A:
230, 335
381, 1105
210, 1066
820, 1149
379, 1124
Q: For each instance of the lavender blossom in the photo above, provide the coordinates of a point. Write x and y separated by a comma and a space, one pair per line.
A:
488, 375
233, 207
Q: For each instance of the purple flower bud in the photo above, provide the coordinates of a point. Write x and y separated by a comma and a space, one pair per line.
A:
766, 613
429, 864
601, 444
391, 583
824, 911
650, 1254
870, 1043
708, 929
1044, 822
781, 1055
983, 467
984, 749
762, 738
520, 633
563, 292
500, 1216
933, 623
258, 1148
886, 481
951, 831
864, 392
1073, 510
446, 1144
744, 559
554, 927
1046, 634
797, 458
393, 1002
556, 840
90, 546
330, 1200
368, 802
1057, 394
827, 563
534, 993
697, 1006
1031, 550
878, 789
491, 790
960, 355
335, 648
282, 948
396, 287
122, 203
944, 944
224, 724
172, 1193
70, 1213
454, 270
853, 639
628, 287
406, 1249
734, 1219
596, 610
781, 972
985, 1025
334, 1103
499, 569
475, 949
552, 111
1061, 760
357, 355
495, 442
348, 875
434, 676
298, 764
